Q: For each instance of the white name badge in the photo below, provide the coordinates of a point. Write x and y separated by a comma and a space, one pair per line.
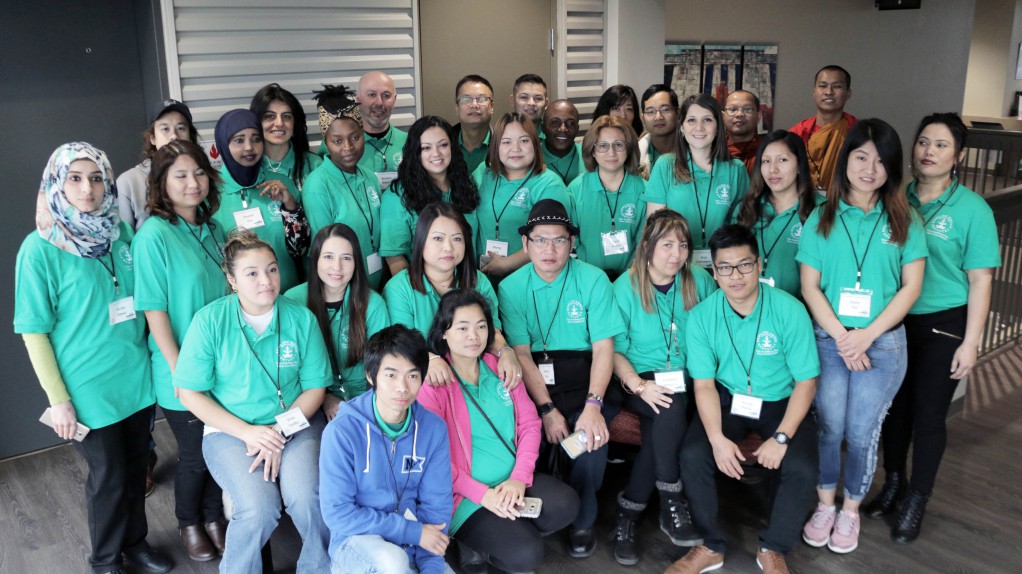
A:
249, 218
409, 515
292, 421
673, 380
702, 258
122, 310
547, 370
374, 263
746, 406
498, 247
614, 242
854, 302
767, 281
386, 177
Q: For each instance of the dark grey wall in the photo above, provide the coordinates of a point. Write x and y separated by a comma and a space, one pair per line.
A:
70, 71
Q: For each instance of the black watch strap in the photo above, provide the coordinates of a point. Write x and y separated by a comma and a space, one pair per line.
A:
781, 438
545, 409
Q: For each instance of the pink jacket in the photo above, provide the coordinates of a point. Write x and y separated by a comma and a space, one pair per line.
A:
448, 403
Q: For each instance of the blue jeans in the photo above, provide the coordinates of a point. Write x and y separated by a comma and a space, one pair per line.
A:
257, 503
851, 405
371, 554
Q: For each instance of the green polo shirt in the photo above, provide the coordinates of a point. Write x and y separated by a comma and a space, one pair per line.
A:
491, 462
778, 236
285, 168
511, 202
399, 223
176, 274
568, 167
333, 196
476, 157
881, 259
384, 153
243, 376
352, 381
416, 310
645, 342
781, 352
961, 234
235, 198
592, 206
105, 367
569, 314
707, 202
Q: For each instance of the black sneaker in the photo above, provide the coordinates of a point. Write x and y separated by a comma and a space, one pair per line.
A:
150, 560
676, 522
626, 551
581, 542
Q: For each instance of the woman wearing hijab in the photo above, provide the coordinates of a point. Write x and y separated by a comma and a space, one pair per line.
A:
74, 285
257, 199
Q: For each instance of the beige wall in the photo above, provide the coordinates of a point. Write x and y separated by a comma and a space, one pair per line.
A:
904, 64
990, 58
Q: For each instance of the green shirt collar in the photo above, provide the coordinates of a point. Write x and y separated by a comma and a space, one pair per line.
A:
392, 431
537, 283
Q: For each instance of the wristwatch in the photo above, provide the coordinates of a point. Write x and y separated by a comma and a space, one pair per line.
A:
781, 438
545, 409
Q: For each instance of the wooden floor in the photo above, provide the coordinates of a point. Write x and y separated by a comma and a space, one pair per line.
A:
972, 525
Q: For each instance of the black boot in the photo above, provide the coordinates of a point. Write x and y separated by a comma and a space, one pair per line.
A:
626, 551
887, 501
675, 521
470, 560
910, 519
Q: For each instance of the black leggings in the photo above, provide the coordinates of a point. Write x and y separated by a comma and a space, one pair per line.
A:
517, 545
196, 495
919, 410
662, 435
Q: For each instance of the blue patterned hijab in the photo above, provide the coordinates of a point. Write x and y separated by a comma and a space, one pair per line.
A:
83, 234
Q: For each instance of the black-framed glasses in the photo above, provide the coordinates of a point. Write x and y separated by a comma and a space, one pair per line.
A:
728, 270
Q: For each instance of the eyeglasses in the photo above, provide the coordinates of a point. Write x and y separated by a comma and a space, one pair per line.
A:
747, 110
544, 241
465, 100
727, 270
662, 110
604, 147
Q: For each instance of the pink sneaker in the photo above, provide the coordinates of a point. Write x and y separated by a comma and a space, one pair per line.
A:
816, 532
845, 537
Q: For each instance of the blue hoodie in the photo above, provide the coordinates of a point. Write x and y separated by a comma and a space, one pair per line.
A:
357, 491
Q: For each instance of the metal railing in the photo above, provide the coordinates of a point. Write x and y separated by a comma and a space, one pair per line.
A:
1005, 323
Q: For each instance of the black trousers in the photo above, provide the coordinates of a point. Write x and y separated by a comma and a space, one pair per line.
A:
662, 436
796, 489
517, 545
919, 410
197, 497
116, 456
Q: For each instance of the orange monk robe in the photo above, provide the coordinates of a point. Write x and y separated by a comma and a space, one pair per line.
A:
745, 151
823, 145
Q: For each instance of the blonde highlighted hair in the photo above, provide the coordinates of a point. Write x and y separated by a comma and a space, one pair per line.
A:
659, 225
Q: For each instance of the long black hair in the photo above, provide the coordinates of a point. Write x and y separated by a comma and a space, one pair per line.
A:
465, 273
751, 209
452, 301
299, 136
417, 185
357, 291
616, 96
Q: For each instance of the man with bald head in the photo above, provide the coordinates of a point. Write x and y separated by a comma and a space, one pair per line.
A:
376, 97
560, 152
741, 117
825, 132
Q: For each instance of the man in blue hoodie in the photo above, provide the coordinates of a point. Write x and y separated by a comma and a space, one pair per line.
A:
385, 468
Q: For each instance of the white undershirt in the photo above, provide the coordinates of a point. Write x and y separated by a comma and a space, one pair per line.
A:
258, 322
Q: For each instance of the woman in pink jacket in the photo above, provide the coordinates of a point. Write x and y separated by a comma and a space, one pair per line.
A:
494, 435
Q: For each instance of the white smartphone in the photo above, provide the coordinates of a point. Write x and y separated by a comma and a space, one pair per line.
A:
80, 431
533, 506
575, 444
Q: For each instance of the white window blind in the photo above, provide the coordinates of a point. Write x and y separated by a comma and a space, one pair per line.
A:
220, 52
581, 54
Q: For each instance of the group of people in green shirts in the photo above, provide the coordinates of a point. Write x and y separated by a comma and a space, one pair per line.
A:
542, 291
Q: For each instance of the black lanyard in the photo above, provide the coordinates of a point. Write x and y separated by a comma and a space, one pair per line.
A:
493, 198
471, 399
660, 319
869, 242
947, 201
702, 212
112, 271
387, 138
244, 197
276, 382
398, 493
557, 306
564, 176
759, 321
762, 238
209, 255
369, 219
617, 199
334, 359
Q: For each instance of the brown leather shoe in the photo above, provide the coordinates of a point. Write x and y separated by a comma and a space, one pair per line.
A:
197, 543
771, 562
217, 532
698, 560
150, 484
